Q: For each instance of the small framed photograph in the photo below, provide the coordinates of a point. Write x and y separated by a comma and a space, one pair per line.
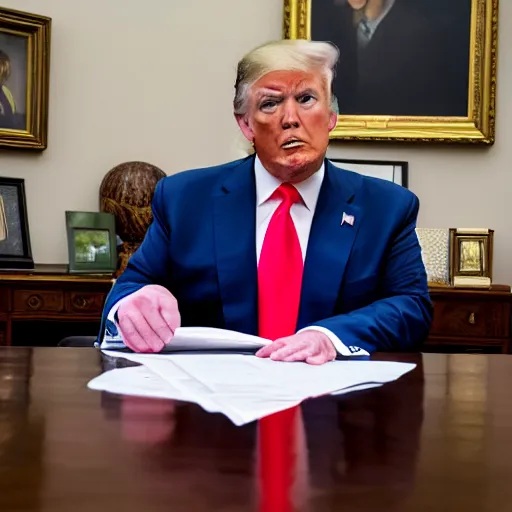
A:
91, 242
24, 79
15, 248
471, 257
395, 171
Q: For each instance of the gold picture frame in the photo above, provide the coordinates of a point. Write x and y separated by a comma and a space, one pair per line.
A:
476, 127
24, 79
471, 255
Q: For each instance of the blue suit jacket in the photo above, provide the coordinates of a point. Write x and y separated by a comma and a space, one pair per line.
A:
365, 282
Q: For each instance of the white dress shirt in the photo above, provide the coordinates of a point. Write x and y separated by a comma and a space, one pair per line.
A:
301, 213
302, 216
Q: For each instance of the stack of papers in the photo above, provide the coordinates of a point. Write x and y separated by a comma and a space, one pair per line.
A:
207, 338
242, 387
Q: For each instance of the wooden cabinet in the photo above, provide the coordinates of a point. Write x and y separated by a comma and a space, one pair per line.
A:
464, 320
49, 296
471, 320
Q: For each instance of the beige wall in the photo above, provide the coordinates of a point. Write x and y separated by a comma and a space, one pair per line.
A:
153, 81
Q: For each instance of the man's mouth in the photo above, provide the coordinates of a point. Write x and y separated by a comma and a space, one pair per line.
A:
292, 143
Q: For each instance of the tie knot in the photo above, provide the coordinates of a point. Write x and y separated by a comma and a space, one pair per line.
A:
288, 193
364, 27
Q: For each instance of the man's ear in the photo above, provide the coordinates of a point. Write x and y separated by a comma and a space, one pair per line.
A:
333, 119
244, 126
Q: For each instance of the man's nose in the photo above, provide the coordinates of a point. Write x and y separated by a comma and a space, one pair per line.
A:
290, 116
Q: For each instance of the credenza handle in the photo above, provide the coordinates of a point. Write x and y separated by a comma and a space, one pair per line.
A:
80, 302
34, 302
471, 319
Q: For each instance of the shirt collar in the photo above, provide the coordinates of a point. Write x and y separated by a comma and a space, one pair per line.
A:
266, 185
373, 24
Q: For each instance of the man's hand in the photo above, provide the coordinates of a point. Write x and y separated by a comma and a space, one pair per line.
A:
148, 319
313, 347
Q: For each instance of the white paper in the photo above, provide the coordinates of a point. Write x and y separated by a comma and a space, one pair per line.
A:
204, 339
246, 388
143, 382
211, 338
360, 387
137, 381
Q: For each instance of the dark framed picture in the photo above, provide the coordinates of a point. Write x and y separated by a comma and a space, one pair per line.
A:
24, 79
395, 171
409, 70
15, 248
91, 242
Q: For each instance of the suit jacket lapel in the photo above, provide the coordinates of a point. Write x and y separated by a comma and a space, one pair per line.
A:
329, 245
235, 248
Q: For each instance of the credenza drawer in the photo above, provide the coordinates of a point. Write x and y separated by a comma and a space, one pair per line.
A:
85, 302
38, 300
470, 318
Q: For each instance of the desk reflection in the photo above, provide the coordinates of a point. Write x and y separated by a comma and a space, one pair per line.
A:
368, 440
22, 434
301, 459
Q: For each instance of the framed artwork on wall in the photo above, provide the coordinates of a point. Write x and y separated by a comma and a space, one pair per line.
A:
24, 79
409, 70
15, 247
92, 246
395, 171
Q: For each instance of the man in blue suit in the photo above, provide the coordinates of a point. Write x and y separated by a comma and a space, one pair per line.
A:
362, 283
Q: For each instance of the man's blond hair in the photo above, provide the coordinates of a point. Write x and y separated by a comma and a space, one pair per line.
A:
283, 55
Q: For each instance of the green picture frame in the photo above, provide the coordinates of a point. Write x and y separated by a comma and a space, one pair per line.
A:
92, 246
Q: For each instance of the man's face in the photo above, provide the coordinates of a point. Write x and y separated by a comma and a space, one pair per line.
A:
289, 119
357, 4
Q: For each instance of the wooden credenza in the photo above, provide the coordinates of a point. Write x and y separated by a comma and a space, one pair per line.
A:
471, 320
48, 303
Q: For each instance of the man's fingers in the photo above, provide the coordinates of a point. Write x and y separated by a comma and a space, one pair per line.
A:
131, 337
299, 355
171, 318
143, 327
148, 319
156, 321
317, 359
289, 349
309, 347
269, 349
168, 307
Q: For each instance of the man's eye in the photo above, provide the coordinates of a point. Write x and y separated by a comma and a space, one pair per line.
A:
306, 98
268, 104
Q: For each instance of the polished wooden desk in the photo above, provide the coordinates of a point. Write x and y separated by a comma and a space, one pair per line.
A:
437, 439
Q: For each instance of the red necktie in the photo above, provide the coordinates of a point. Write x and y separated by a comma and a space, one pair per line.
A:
278, 459
279, 285
280, 270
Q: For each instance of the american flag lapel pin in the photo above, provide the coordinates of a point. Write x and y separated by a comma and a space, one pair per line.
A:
347, 219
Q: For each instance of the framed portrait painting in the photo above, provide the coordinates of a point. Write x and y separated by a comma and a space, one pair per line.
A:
408, 70
15, 247
24, 79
